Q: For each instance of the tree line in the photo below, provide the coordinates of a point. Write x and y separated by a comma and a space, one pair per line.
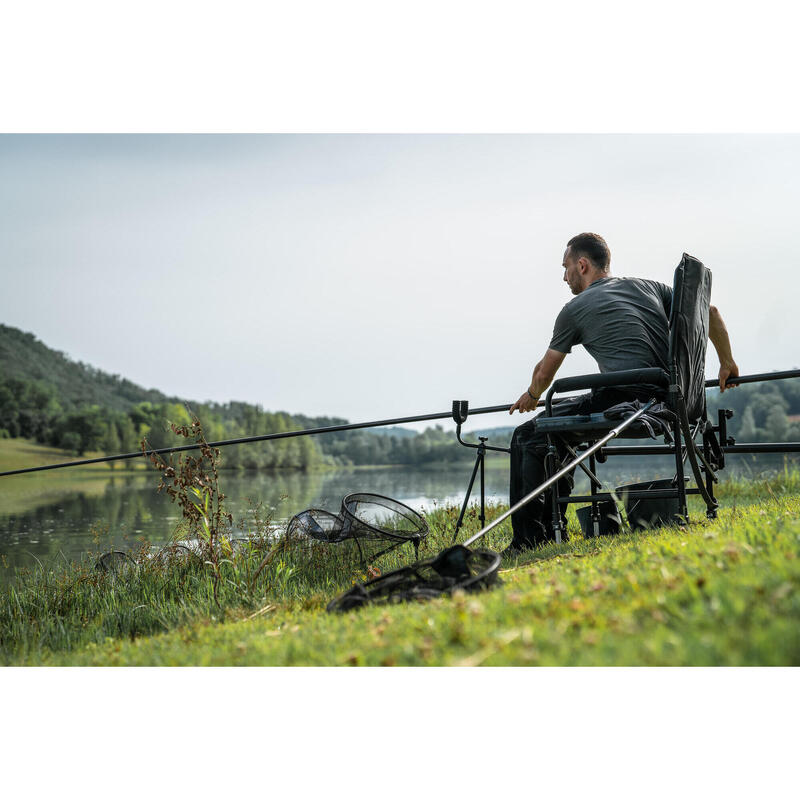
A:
763, 412
33, 410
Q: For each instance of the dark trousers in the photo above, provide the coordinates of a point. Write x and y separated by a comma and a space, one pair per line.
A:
533, 523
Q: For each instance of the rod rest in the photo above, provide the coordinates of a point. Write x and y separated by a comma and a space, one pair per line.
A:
651, 375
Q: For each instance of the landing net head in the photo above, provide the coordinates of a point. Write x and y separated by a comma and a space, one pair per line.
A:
457, 567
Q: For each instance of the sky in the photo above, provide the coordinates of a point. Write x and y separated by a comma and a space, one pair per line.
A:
375, 276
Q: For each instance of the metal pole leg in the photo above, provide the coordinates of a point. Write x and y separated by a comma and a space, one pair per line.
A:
478, 462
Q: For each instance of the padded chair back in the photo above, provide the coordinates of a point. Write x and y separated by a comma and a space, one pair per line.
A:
688, 332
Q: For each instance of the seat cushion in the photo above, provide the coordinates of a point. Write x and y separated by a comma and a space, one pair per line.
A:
587, 426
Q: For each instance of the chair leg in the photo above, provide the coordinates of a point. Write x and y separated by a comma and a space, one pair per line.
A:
693, 452
551, 468
711, 510
593, 487
683, 510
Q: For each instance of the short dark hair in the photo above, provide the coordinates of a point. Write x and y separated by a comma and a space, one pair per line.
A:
592, 246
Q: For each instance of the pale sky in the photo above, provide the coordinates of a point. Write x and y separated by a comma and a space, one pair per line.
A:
372, 276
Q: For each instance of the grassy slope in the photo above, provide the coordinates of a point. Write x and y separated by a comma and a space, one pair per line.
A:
23, 493
21, 453
722, 592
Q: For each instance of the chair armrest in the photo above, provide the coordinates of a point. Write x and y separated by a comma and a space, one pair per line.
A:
652, 375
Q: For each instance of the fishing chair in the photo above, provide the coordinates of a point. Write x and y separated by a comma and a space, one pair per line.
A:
683, 393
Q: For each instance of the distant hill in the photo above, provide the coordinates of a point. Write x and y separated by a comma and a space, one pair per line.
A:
400, 433
495, 434
24, 357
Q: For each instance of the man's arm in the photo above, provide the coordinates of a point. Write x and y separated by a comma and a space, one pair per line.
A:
718, 334
543, 374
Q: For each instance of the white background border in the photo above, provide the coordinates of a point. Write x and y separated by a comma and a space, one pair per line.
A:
392, 67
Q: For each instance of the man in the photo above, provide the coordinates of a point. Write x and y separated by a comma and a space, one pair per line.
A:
623, 323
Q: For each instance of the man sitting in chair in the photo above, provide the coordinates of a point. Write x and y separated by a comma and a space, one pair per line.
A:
623, 324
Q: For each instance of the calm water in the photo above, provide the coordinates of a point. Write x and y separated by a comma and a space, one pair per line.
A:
40, 519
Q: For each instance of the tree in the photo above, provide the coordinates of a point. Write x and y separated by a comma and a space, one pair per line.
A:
127, 434
87, 425
764, 402
111, 444
71, 441
777, 425
747, 427
9, 410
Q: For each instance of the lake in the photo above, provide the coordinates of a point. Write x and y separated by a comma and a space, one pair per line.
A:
50, 516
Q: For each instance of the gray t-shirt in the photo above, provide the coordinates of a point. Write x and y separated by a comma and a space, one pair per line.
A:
622, 323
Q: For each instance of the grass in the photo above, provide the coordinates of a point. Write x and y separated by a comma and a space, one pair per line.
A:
23, 493
717, 592
22, 453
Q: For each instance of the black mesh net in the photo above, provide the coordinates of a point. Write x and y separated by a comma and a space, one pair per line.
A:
172, 553
368, 527
373, 516
457, 567
315, 523
114, 561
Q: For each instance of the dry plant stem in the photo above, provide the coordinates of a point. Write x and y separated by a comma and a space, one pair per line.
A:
193, 483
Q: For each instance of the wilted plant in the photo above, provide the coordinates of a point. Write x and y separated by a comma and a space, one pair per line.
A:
192, 481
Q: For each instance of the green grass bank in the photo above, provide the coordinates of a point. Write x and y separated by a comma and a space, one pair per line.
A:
721, 592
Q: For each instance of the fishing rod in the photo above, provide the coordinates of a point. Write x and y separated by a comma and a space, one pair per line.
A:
765, 376
261, 438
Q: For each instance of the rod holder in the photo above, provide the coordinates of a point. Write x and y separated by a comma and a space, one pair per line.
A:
460, 411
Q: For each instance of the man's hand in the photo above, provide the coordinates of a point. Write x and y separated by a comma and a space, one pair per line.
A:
525, 403
729, 370
543, 374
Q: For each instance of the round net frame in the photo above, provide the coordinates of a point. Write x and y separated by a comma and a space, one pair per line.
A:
242, 545
114, 561
377, 518
173, 553
315, 523
369, 526
457, 567
316, 544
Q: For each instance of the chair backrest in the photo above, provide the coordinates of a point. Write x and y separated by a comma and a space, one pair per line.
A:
688, 332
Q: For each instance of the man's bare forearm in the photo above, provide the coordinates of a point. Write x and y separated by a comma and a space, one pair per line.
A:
539, 381
543, 374
718, 334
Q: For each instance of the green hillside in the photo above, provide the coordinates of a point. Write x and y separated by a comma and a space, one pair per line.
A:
47, 397
24, 357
